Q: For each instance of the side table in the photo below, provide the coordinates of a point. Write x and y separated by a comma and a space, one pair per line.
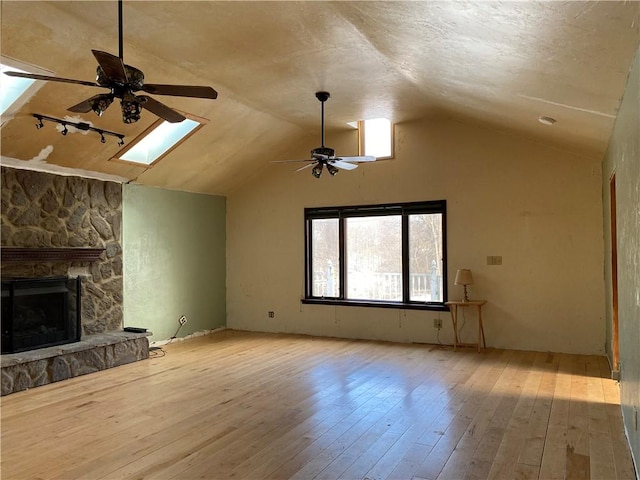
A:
453, 307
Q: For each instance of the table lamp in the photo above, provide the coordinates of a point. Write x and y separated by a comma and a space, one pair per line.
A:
464, 278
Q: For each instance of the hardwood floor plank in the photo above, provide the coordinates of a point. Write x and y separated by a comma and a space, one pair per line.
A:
577, 465
554, 456
485, 381
252, 406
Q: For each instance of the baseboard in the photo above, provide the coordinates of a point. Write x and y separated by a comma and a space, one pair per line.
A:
199, 333
615, 372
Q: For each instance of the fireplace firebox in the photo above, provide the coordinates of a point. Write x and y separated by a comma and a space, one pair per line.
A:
40, 312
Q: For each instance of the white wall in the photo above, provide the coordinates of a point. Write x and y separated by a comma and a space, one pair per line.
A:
538, 207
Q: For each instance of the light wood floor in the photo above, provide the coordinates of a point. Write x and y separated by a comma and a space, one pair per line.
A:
258, 406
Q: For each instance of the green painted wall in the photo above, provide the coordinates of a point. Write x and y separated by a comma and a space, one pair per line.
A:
174, 260
623, 158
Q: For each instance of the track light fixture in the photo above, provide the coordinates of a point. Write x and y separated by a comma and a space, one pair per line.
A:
79, 126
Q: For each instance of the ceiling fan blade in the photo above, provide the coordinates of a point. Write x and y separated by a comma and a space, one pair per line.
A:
341, 164
112, 66
291, 161
160, 109
180, 90
306, 166
98, 103
363, 158
50, 79
83, 107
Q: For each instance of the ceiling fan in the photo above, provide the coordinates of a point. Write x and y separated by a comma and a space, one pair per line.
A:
326, 157
124, 81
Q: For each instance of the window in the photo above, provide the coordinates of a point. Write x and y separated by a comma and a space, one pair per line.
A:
159, 140
16, 90
381, 255
376, 137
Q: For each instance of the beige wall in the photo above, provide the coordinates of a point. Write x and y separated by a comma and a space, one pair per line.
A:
537, 206
623, 158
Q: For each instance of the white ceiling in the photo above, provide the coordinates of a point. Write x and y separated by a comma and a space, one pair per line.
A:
502, 63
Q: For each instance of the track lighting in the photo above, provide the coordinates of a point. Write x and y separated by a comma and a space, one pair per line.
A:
317, 170
332, 170
81, 126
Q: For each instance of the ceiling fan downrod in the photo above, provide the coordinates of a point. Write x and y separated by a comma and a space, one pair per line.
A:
120, 41
323, 97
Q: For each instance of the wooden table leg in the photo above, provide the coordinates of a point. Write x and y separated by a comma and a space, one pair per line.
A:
454, 320
480, 329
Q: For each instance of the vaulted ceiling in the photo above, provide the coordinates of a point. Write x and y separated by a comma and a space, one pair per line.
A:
501, 63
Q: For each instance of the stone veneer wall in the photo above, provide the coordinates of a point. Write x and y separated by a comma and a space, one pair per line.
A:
46, 210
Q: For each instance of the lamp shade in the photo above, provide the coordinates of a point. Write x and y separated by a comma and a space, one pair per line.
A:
464, 277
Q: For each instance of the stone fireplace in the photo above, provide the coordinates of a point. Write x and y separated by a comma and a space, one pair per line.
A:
54, 213
66, 227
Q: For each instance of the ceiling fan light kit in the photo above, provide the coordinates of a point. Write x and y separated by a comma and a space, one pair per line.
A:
324, 156
100, 103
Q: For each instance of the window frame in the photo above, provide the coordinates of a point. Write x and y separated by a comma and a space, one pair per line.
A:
29, 92
116, 158
361, 125
342, 213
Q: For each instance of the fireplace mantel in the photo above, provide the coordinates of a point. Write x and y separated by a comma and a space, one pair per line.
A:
61, 254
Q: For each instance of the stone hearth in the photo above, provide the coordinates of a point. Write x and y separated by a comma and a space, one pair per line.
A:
21, 371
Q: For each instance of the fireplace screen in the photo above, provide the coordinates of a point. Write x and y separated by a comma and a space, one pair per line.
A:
40, 312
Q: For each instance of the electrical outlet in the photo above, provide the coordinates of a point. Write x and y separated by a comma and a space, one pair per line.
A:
271, 314
182, 320
494, 260
437, 323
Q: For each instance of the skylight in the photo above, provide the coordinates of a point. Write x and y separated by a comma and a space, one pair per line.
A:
16, 91
159, 141
376, 137
12, 87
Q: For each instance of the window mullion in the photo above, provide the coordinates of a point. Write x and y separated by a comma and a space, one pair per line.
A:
342, 256
405, 258
308, 264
